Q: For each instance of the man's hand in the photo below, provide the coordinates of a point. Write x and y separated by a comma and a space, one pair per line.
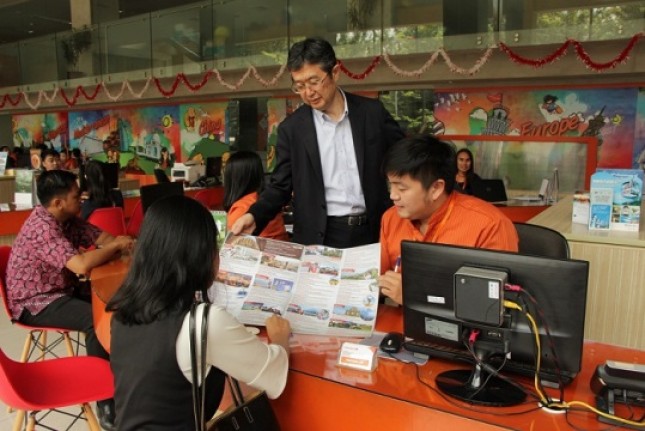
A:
390, 284
244, 224
124, 243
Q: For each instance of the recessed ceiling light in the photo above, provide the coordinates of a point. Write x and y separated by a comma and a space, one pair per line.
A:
30, 31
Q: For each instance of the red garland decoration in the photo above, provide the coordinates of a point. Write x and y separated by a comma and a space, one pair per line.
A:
201, 84
536, 63
580, 51
582, 54
173, 88
7, 98
80, 90
361, 76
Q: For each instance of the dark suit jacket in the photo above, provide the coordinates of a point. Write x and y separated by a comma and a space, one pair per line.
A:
298, 169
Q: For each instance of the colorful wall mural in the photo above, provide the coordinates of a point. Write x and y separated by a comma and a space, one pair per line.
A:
195, 131
608, 114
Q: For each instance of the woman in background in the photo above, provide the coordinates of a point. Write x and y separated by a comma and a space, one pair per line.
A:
243, 181
98, 193
466, 175
175, 257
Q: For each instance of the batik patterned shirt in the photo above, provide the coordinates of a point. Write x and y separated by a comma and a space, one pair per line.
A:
36, 272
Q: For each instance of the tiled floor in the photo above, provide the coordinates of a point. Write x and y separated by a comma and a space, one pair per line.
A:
11, 341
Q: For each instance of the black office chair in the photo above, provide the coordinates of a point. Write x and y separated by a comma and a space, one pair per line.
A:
541, 241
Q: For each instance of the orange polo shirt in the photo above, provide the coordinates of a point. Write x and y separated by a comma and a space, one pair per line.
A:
275, 229
471, 222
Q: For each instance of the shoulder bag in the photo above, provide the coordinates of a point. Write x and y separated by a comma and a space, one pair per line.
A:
251, 414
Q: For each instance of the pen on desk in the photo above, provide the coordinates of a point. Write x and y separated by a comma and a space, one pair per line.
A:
397, 264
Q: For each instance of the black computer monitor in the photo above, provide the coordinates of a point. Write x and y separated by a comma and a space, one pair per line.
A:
214, 168
153, 192
111, 174
490, 190
443, 312
161, 176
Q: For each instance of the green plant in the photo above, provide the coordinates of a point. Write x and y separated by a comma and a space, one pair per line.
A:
75, 44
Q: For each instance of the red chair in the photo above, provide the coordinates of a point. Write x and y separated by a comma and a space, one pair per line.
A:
37, 336
210, 198
134, 224
53, 384
110, 220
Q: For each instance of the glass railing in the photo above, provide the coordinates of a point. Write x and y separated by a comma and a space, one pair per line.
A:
232, 35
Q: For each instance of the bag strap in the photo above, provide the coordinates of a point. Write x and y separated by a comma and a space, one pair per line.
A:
198, 386
236, 391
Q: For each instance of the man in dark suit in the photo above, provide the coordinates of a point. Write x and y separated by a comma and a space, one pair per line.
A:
329, 156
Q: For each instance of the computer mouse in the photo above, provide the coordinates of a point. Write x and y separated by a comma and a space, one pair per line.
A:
392, 342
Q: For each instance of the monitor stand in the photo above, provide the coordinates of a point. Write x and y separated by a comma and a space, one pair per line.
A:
479, 386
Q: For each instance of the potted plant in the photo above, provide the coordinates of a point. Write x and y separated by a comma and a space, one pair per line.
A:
75, 44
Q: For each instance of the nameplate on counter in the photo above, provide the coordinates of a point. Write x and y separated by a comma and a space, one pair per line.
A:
357, 357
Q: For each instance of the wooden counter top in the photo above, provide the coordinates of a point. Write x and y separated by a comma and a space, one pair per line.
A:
558, 217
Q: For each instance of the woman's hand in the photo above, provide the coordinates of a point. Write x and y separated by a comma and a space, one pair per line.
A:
279, 331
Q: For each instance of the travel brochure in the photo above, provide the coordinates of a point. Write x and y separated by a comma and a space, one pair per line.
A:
319, 289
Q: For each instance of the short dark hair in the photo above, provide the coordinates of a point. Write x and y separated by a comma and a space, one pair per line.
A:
48, 152
172, 260
313, 50
423, 158
243, 175
51, 184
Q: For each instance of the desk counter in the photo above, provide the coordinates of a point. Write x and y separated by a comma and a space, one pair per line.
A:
615, 298
319, 396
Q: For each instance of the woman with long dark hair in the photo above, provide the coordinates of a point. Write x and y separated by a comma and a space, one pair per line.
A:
466, 175
175, 257
98, 191
243, 181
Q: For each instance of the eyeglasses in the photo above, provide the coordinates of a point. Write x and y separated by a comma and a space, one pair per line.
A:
314, 83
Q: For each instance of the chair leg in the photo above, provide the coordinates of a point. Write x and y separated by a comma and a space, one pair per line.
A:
42, 342
68, 344
92, 423
18, 423
31, 422
25, 349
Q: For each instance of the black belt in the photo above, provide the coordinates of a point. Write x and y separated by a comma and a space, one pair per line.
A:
350, 220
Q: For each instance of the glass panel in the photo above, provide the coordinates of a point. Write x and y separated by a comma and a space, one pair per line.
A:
126, 45
523, 164
78, 53
553, 21
177, 38
10, 65
412, 26
248, 32
38, 60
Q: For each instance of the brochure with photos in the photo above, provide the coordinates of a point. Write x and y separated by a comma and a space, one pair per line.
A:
319, 289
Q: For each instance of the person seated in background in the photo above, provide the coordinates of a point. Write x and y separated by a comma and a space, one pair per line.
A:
421, 172
165, 160
150, 354
42, 286
466, 175
50, 159
74, 161
98, 193
243, 181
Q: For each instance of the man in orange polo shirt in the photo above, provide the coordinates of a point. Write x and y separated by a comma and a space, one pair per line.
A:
421, 173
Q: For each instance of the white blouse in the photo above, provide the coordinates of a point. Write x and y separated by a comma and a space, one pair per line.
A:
235, 351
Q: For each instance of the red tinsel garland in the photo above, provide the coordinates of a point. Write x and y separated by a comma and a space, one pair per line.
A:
7, 98
80, 90
580, 51
366, 72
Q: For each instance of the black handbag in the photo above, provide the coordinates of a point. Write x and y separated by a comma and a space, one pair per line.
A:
252, 414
